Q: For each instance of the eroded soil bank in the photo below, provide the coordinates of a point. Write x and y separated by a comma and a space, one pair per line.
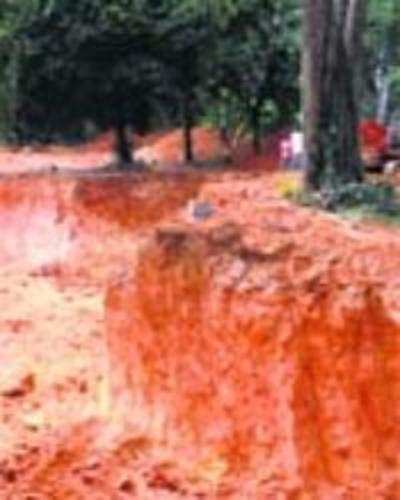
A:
254, 349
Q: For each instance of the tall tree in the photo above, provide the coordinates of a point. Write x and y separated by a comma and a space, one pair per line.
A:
332, 41
185, 39
79, 55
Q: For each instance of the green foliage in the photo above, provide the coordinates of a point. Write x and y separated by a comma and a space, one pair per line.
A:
356, 200
256, 65
152, 63
146, 63
77, 66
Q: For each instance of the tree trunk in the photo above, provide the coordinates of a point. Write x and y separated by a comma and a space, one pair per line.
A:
331, 51
382, 112
383, 85
223, 125
187, 119
15, 129
256, 129
123, 145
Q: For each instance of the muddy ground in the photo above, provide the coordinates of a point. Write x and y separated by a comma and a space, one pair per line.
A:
68, 240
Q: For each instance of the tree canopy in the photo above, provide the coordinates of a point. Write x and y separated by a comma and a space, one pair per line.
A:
142, 63
149, 64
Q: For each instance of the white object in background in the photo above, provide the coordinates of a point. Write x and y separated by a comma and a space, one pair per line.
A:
147, 155
297, 140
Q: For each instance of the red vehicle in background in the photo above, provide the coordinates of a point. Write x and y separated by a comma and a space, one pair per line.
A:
380, 145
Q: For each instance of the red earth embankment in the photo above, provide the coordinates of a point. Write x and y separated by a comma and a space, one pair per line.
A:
163, 151
273, 359
254, 351
164, 148
138, 201
48, 221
